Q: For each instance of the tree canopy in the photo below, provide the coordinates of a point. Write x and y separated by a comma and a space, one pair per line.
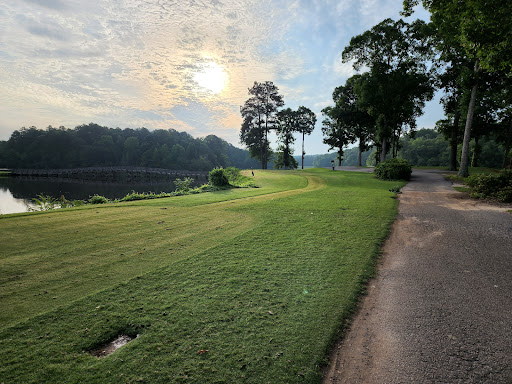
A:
259, 118
261, 114
475, 31
399, 82
92, 145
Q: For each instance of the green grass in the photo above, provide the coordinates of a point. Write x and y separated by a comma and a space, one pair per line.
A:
462, 189
263, 279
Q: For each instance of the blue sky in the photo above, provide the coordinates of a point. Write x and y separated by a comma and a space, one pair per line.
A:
181, 64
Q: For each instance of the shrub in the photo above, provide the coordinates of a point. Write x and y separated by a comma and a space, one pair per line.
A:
232, 174
183, 185
97, 199
393, 169
395, 189
218, 178
492, 185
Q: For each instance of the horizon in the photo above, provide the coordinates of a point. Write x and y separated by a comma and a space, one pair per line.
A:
186, 67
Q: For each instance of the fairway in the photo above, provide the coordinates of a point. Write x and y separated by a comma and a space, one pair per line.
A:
243, 285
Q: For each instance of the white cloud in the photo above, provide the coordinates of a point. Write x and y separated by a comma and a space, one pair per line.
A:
130, 63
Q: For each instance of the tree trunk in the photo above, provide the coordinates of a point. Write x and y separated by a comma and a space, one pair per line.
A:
261, 153
464, 161
384, 149
360, 157
508, 143
454, 142
265, 150
303, 133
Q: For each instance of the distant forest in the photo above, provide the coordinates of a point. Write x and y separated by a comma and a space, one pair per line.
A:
92, 145
426, 147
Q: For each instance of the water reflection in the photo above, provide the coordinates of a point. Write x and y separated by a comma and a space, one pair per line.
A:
17, 192
10, 204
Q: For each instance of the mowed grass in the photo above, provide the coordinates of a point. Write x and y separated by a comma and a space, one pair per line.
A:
246, 285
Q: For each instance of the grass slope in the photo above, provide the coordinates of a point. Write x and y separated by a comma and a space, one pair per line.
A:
234, 286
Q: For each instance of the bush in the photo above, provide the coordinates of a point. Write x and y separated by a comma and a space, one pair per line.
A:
97, 199
232, 174
393, 169
183, 185
492, 185
218, 178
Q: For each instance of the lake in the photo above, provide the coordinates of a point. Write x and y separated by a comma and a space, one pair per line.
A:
16, 193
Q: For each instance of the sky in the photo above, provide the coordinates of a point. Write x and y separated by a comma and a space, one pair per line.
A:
180, 64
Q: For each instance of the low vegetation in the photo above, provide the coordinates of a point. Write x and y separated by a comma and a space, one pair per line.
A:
393, 169
220, 178
497, 186
240, 285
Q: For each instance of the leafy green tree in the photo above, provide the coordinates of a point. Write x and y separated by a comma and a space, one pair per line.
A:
355, 119
93, 145
398, 83
479, 30
306, 120
426, 147
259, 118
336, 134
287, 125
131, 150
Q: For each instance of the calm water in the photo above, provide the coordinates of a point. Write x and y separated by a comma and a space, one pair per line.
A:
17, 192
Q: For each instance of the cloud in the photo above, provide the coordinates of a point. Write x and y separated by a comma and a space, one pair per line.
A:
51, 4
45, 31
135, 63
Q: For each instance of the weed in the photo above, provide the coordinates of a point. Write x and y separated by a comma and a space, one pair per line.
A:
44, 203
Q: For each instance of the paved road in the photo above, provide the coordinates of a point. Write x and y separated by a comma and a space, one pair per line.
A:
440, 309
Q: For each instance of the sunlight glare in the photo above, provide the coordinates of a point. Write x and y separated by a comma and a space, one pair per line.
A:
211, 77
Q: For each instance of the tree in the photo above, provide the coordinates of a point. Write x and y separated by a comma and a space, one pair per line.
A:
350, 115
306, 120
93, 146
478, 29
398, 83
287, 125
337, 136
259, 117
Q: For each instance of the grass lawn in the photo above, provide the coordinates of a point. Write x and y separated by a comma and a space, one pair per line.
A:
245, 285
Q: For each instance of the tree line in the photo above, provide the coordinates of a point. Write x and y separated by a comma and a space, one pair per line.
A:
465, 51
424, 147
261, 114
92, 145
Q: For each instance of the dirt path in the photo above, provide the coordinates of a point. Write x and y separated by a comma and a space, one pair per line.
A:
440, 308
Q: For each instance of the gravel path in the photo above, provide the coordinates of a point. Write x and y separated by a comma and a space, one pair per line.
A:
440, 308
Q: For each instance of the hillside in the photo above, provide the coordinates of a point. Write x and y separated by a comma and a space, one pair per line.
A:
92, 145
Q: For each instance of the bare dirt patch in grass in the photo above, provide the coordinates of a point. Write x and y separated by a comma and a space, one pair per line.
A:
112, 345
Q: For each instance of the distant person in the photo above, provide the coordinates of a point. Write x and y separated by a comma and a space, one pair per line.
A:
252, 172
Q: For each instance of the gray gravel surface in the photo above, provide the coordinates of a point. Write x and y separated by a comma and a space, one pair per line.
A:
440, 308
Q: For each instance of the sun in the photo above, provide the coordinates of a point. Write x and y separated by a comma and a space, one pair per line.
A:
211, 77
